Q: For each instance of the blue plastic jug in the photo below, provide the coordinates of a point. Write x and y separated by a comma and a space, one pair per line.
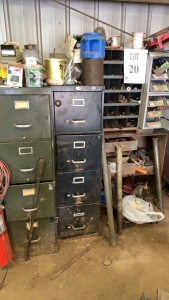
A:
92, 45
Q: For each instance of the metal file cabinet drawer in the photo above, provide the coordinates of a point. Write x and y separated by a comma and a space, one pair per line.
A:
24, 117
19, 200
78, 152
22, 159
78, 220
78, 188
78, 112
43, 234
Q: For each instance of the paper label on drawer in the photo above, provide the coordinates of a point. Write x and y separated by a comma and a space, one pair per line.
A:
28, 192
21, 104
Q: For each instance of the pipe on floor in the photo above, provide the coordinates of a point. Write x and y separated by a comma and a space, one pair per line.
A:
108, 194
158, 174
119, 188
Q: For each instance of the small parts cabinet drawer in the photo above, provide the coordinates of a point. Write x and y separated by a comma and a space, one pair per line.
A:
24, 117
78, 112
78, 220
19, 200
78, 188
78, 152
22, 159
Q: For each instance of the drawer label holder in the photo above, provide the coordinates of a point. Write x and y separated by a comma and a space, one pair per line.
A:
21, 104
77, 180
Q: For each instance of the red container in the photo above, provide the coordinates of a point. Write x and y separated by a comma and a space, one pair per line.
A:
5, 247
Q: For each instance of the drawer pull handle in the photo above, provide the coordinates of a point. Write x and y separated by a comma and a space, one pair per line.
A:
78, 121
26, 170
34, 241
23, 126
78, 214
77, 196
29, 209
78, 228
78, 161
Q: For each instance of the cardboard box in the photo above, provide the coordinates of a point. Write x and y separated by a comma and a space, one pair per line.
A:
12, 59
15, 75
10, 49
3, 71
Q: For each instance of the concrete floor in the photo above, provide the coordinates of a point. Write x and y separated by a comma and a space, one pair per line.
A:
140, 262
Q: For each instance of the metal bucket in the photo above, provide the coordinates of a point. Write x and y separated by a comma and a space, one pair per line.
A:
55, 71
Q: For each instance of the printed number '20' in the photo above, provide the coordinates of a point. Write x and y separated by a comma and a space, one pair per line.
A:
134, 69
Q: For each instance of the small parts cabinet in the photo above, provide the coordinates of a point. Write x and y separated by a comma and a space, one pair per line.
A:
26, 135
78, 128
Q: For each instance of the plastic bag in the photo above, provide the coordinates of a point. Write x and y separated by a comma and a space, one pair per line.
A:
139, 211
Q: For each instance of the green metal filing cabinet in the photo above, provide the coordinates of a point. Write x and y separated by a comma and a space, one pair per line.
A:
26, 135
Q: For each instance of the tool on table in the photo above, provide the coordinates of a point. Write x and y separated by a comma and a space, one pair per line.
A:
34, 208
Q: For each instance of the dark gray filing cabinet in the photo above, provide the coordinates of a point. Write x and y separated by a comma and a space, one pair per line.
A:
26, 135
78, 127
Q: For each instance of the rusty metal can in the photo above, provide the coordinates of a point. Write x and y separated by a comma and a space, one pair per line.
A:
92, 72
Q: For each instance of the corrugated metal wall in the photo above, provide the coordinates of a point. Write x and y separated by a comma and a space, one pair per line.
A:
45, 22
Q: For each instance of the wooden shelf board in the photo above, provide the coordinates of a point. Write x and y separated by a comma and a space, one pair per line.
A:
120, 117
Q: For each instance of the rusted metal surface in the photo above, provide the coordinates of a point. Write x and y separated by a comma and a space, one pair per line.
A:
24, 194
78, 153
92, 73
18, 235
165, 173
78, 111
108, 194
158, 174
75, 188
78, 220
128, 144
119, 189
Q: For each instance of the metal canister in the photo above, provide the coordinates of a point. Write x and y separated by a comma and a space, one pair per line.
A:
92, 72
55, 71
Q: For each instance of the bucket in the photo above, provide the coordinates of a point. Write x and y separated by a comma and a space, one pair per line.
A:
137, 41
55, 71
92, 45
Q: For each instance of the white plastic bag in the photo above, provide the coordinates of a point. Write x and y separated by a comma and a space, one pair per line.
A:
139, 211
